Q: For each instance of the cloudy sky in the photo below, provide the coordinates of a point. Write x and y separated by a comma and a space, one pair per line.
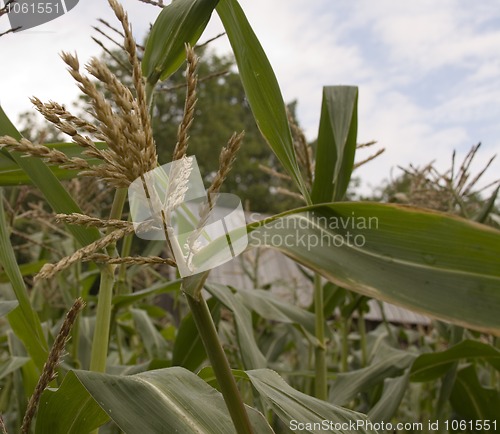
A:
428, 72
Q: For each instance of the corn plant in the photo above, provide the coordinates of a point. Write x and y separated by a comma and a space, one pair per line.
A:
126, 370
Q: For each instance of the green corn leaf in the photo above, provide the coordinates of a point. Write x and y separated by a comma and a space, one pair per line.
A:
25, 380
23, 319
208, 375
431, 366
12, 364
181, 22
69, 409
488, 207
123, 300
336, 143
189, 351
442, 266
334, 297
25, 269
170, 400
474, 402
391, 363
250, 352
392, 395
261, 87
273, 308
153, 341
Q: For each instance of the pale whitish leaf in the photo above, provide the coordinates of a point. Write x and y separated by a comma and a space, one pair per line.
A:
274, 309
292, 407
391, 363
7, 306
392, 395
12, 364
250, 352
155, 344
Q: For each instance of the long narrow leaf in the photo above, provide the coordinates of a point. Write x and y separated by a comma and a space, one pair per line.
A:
69, 409
392, 363
294, 408
180, 22
124, 300
436, 264
488, 207
7, 306
261, 87
25, 269
171, 400
274, 309
388, 404
23, 318
430, 366
154, 342
12, 364
474, 402
250, 352
188, 351
24, 382
336, 143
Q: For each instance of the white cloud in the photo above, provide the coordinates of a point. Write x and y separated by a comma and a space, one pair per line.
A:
30, 63
429, 72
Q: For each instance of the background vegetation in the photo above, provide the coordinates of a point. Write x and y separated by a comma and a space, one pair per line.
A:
147, 353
